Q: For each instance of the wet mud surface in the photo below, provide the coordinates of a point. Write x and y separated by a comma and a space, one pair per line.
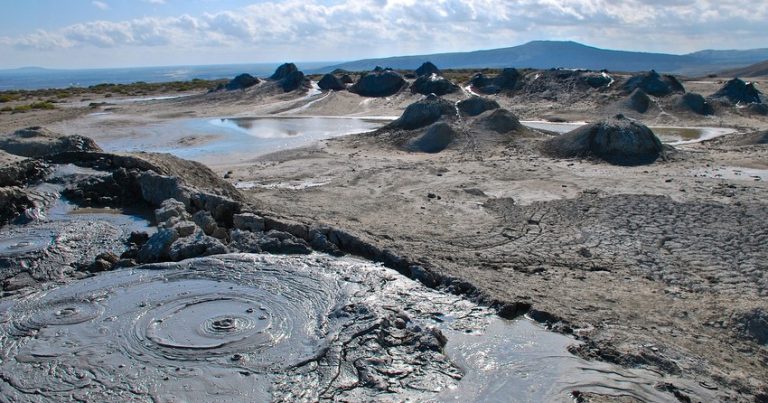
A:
258, 328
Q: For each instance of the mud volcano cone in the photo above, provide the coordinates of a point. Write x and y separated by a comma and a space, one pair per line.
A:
437, 138
737, 91
618, 140
423, 113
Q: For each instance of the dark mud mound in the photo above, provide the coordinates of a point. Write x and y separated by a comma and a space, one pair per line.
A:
736, 91
379, 83
289, 78
329, 82
36, 142
241, 82
423, 113
506, 81
427, 69
757, 109
437, 138
654, 84
433, 84
618, 140
283, 71
474, 106
693, 102
638, 101
500, 121
555, 83
346, 79
22, 172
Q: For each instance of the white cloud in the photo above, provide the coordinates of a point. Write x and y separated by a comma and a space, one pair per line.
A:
372, 27
100, 5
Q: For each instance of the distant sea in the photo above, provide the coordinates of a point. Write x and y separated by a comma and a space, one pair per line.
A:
31, 78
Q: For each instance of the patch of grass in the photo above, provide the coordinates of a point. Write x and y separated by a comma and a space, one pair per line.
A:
137, 88
42, 105
8, 97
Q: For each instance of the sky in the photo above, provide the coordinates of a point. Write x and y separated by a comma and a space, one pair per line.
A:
128, 33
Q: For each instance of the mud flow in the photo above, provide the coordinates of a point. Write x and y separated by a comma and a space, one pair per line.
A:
247, 327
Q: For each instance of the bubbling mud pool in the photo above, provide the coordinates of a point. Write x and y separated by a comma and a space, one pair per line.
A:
245, 327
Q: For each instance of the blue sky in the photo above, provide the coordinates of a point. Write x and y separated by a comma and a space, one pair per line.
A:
112, 33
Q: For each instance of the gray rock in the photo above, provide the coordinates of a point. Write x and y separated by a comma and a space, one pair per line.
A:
171, 208
249, 222
222, 208
156, 249
205, 221
196, 245
277, 242
157, 188
13, 202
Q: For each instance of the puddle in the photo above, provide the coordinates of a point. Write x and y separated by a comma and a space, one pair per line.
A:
249, 327
733, 173
215, 141
668, 134
298, 185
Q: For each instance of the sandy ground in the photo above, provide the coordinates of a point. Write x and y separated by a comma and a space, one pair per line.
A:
660, 266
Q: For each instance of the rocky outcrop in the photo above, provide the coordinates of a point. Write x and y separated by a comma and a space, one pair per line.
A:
638, 101
433, 84
346, 79
437, 138
329, 82
21, 173
289, 78
427, 69
695, 103
736, 91
508, 80
654, 84
475, 105
241, 82
618, 140
36, 142
379, 83
423, 113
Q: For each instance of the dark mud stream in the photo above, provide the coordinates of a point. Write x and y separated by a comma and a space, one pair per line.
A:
246, 327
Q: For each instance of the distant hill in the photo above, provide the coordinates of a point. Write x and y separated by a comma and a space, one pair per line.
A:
549, 54
753, 70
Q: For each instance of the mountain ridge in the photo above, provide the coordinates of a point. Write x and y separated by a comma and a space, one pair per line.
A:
568, 54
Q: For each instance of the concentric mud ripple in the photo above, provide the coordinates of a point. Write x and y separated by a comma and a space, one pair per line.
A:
240, 317
248, 327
